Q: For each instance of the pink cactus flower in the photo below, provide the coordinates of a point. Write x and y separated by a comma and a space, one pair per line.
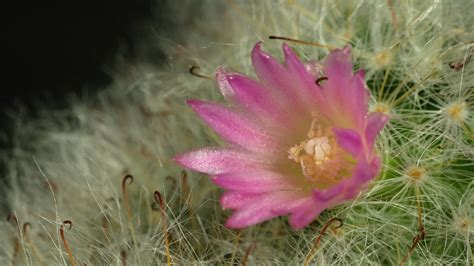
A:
299, 138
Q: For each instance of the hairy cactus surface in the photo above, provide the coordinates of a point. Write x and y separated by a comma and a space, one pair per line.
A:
97, 184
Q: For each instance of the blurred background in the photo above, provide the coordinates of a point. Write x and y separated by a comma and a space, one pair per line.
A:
54, 49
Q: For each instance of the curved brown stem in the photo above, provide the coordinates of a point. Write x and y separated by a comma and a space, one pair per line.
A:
123, 257
12, 219
421, 229
159, 200
312, 252
247, 253
193, 71
66, 245
125, 180
125, 193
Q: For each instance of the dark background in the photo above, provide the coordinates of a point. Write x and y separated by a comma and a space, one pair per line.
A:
54, 49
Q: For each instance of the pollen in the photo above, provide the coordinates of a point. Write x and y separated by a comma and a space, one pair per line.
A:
416, 173
462, 224
319, 157
457, 111
381, 108
383, 59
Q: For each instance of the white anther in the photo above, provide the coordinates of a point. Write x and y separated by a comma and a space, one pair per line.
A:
326, 146
309, 146
318, 147
318, 153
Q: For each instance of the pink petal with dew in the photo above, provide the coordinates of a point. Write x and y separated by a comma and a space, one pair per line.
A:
295, 205
365, 171
235, 127
253, 181
350, 141
314, 67
237, 199
219, 160
374, 124
260, 209
306, 213
274, 76
338, 64
306, 82
258, 101
345, 93
362, 174
325, 196
250, 96
223, 84
350, 188
356, 103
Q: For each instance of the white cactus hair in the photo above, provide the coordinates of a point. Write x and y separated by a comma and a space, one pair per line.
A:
69, 165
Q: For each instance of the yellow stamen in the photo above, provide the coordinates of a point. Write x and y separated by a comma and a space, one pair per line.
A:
321, 159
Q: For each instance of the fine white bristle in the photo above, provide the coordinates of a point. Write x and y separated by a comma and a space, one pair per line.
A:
69, 165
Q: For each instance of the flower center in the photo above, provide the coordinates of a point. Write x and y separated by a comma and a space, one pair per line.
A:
321, 159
